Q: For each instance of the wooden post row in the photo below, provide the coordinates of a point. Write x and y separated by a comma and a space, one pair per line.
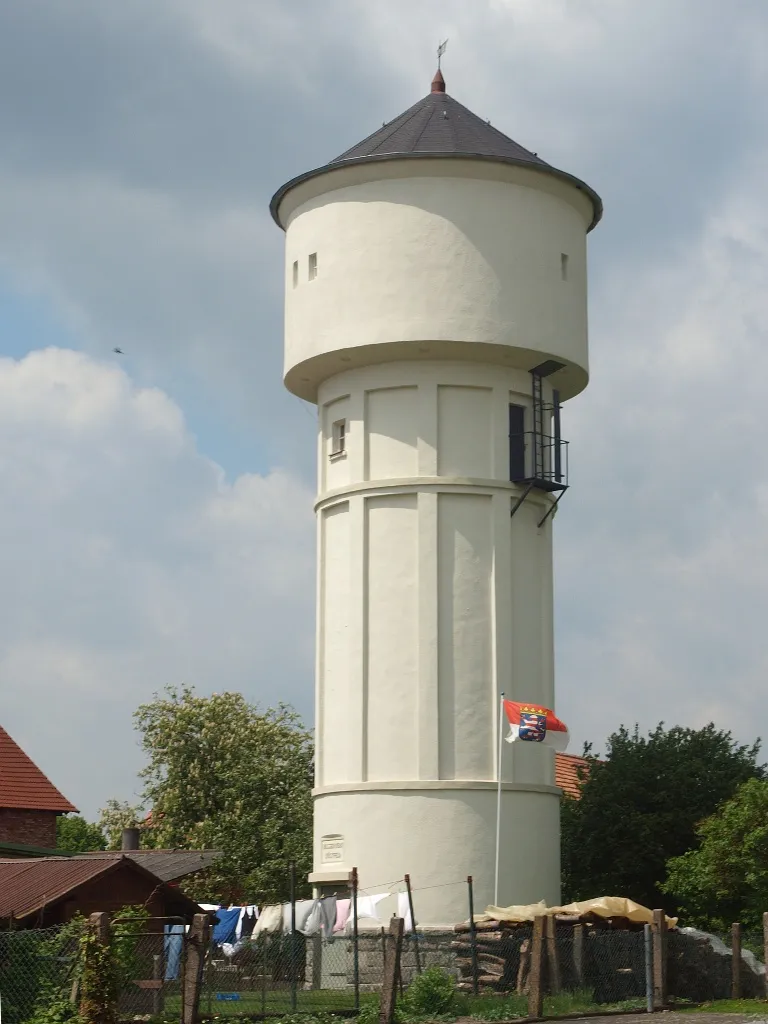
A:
94, 1004
736, 961
535, 978
659, 959
553, 964
391, 970
198, 940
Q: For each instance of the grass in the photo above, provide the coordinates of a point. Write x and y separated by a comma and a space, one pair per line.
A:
494, 1008
743, 1006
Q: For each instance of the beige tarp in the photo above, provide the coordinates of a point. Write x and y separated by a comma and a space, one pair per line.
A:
605, 906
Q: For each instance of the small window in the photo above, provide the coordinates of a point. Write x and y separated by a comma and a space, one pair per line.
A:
339, 437
312, 266
564, 265
295, 273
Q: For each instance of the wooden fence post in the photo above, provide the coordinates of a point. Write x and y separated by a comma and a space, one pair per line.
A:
553, 964
535, 986
736, 960
98, 1003
578, 954
659, 960
197, 940
391, 970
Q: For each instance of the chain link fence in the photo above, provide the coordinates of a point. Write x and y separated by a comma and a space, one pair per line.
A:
150, 956
38, 967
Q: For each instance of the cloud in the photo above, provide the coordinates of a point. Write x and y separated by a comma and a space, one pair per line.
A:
129, 562
141, 145
667, 545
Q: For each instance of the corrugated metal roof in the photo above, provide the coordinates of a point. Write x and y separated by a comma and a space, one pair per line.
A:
29, 885
166, 864
567, 767
22, 785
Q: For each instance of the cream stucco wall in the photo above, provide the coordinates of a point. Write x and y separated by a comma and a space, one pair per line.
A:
419, 296
470, 267
432, 600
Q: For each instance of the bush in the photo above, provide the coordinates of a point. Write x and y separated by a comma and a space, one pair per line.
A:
430, 994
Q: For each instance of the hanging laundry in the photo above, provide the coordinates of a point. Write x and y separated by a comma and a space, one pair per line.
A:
244, 911
224, 931
270, 920
304, 909
366, 908
172, 946
248, 922
404, 911
342, 914
327, 917
313, 924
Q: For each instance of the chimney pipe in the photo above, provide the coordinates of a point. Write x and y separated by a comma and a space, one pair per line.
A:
130, 839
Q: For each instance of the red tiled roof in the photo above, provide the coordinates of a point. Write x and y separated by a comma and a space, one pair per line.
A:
567, 773
22, 785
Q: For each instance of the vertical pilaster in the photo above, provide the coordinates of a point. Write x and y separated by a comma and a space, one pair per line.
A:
428, 705
428, 428
358, 648
502, 619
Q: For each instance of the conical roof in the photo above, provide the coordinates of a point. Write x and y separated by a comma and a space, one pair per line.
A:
439, 126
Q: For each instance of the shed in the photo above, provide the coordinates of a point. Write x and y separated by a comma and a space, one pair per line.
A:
46, 891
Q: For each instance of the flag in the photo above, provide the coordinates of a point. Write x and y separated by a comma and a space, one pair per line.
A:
535, 724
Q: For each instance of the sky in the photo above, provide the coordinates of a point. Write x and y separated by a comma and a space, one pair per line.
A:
156, 526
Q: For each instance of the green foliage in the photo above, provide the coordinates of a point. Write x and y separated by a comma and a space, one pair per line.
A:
726, 878
115, 817
430, 994
76, 835
60, 953
224, 775
641, 806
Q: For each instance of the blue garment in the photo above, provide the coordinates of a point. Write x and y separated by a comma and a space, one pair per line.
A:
174, 939
224, 931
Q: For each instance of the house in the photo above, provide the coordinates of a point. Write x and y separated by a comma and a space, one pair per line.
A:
29, 802
44, 891
567, 768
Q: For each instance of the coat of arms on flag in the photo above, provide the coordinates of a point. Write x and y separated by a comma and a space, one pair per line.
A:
535, 724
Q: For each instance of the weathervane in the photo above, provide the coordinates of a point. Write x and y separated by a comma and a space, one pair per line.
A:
440, 51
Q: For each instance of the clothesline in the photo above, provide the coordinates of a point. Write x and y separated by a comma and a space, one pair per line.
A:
328, 916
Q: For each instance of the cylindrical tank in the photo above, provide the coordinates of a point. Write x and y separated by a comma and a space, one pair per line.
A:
422, 288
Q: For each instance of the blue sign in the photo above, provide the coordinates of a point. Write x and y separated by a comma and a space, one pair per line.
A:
227, 997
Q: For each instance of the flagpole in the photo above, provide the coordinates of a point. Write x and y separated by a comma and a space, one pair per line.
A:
498, 800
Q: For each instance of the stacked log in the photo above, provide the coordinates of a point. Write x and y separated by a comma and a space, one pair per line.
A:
504, 951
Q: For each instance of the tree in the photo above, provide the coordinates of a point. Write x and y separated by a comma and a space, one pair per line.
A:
116, 816
641, 806
223, 775
726, 878
76, 835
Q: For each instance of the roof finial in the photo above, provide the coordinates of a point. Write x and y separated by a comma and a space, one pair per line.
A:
438, 82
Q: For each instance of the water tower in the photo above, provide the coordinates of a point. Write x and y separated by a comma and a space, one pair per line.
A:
436, 313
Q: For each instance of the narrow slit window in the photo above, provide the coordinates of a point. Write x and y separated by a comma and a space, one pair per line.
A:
564, 265
339, 437
295, 273
312, 266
